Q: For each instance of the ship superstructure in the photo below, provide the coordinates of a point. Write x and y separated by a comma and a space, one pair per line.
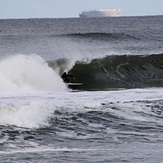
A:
100, 13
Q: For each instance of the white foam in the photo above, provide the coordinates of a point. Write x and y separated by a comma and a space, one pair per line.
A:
28, 74
44, 149
30, 115
34, 111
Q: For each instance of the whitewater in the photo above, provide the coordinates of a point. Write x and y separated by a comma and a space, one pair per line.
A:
114, 116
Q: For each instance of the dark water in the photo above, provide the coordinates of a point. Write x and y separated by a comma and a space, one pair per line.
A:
114, 116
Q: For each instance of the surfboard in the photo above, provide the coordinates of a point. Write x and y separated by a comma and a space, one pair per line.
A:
74, 83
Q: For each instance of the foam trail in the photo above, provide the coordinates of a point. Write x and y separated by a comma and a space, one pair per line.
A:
28, 74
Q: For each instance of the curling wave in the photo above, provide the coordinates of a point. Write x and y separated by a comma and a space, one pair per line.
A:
125, 71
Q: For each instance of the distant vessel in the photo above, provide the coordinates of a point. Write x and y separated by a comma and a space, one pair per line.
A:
100, 13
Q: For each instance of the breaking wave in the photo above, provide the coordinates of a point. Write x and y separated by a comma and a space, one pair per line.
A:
28, 74
124, 71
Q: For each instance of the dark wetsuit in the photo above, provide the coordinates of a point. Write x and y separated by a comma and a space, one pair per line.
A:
66, 77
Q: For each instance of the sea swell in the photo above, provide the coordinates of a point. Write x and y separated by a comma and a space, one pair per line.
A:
101, 36
117, 71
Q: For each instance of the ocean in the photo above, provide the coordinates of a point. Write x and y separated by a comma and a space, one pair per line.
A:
115, 115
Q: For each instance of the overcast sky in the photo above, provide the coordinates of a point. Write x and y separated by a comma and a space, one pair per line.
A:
72, 8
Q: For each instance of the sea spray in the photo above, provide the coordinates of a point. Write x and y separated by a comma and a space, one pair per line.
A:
28, 74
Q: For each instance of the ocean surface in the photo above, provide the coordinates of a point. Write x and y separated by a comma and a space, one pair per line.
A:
116, 115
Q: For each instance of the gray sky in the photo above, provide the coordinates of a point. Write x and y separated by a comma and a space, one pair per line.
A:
72, 8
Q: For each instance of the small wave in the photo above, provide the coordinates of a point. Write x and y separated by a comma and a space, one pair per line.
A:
102, 36
26, 115
44, 149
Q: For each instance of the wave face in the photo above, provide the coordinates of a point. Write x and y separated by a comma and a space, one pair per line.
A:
116, 71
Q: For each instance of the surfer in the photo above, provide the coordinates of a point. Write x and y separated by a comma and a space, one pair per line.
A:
66, 78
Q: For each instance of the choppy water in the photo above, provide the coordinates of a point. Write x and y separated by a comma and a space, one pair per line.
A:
115, 116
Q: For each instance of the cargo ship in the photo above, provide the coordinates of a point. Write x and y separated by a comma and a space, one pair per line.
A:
100, 13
